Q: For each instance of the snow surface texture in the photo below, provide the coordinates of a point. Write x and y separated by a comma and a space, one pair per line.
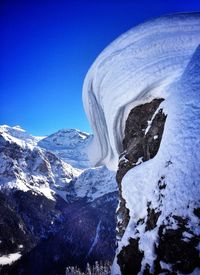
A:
138, 66
70, 145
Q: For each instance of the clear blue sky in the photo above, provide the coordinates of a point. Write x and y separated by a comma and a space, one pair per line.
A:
47, 47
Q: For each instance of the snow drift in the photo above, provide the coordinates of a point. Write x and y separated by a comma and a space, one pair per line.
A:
138, 66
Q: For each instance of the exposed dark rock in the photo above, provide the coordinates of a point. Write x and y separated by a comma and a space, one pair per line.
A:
161, 183
147, 270
122, 216
182, 255
130, 257
138, 143
171, 247
197, 212
152, 218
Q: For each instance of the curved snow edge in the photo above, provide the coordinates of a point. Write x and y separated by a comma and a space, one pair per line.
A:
138, 66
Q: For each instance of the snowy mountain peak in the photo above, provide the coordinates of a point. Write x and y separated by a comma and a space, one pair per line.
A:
18, 135
18, 127
26, 166
70, 145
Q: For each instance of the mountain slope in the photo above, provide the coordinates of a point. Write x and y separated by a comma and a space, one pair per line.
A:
51, 214
25, 166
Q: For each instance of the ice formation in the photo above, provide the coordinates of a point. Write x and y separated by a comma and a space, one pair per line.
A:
140, 65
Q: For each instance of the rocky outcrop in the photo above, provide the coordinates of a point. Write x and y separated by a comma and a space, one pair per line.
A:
176, 244
178, 248
175, 248
142, 137
153, 142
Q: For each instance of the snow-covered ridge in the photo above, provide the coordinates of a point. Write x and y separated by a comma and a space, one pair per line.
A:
26, 166
48, 165
140, 65
70, 145
18, 135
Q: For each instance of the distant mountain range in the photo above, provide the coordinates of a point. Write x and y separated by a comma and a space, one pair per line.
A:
46, 204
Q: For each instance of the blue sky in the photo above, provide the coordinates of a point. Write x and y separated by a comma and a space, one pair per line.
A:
47, 47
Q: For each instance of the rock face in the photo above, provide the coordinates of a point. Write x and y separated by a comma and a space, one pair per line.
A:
143, 133
51, 214
142, 137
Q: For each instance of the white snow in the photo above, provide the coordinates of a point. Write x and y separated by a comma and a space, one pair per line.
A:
70, 145
18, 135
180, 143
150, 121
31, 167
96, 238
138, 66
95, 182
10, 258
157, 59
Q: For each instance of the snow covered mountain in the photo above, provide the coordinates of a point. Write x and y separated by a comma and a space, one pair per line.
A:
47, 205
90, 189
18, 135
142, 98
70, 145
25, 166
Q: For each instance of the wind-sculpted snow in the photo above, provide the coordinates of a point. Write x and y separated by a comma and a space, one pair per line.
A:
137, 67
169, 182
